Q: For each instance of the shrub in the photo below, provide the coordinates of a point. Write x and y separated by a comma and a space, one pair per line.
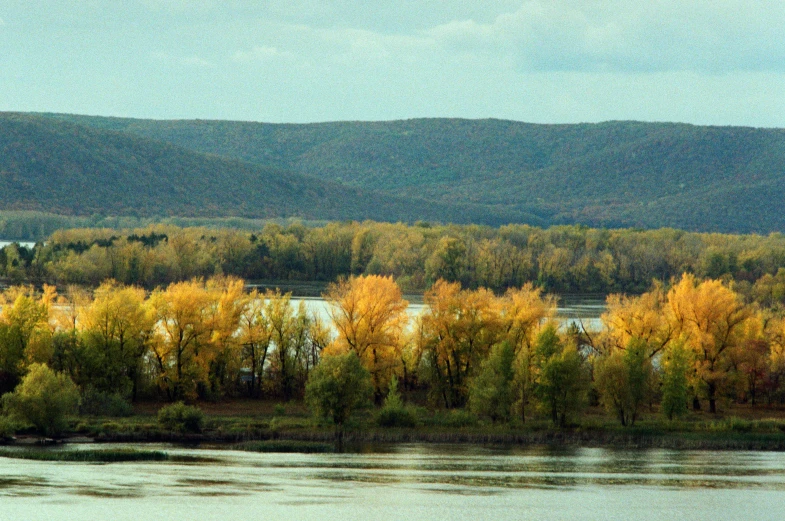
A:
180, 417
97, 403
7, 428
394, 413
44, 399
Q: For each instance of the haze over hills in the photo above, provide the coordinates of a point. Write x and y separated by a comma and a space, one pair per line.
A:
487, 171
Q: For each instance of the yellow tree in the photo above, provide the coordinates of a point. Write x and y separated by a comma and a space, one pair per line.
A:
455, 334
25, 334
524, 311
228, 300
118, 325
181, 346
369, 314
714, 321
638, 318
255, 337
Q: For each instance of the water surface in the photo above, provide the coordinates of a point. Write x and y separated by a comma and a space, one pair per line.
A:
409, 482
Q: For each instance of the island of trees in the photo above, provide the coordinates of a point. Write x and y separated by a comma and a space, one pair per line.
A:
693, 322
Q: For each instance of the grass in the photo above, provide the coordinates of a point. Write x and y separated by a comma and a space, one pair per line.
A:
87, 456
298, 446
268, 427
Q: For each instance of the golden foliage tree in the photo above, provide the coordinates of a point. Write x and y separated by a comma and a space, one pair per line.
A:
455, 334
369, 314
714, 321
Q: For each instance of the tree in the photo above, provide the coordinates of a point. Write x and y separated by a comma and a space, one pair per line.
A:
491, 392
43, 398
675, 384
337, 387
369, 313
455, 334
25, 336
643, 317
714, 321
562, 378
117, 327
181, 346
624, 380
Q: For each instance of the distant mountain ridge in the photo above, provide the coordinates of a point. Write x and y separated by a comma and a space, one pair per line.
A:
614, 174
62, 167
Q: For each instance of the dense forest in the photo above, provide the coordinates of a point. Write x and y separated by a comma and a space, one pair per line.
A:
613, 174
560, 259
692, 320
62, 168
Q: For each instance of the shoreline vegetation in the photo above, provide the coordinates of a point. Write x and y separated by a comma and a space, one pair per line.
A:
690, 351
302, 435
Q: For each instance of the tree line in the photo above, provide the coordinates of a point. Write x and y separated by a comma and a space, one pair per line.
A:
558, 259
691, 343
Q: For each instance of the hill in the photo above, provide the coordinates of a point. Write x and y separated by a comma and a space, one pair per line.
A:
66, 168
609, 174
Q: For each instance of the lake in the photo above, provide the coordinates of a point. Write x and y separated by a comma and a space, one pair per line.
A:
409, 482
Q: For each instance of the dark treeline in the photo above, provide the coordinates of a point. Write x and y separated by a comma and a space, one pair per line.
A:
557, 259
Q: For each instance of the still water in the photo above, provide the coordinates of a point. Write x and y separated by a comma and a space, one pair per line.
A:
409, 482
583, 311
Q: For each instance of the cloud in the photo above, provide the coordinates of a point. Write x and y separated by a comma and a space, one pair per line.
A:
663, 35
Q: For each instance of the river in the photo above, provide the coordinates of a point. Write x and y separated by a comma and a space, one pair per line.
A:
583, 311
408, 482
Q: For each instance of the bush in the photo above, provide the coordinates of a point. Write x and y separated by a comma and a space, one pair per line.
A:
97, 403
7, 428
180, 417
394, 413
44, 399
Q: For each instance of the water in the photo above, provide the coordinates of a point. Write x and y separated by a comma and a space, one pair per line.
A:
582, 311
26, 244
412, 482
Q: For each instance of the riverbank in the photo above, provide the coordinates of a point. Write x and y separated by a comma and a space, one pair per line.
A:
291, 427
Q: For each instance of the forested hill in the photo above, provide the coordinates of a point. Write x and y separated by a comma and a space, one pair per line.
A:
71, 169
729, 179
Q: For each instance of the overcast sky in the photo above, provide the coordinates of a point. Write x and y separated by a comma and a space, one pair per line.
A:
546, 61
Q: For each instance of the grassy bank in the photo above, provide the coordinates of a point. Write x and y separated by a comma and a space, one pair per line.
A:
270, 427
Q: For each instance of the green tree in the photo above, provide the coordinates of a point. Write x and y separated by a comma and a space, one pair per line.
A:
624, 380
562, 377
43, 398
491, 391
675, 385
337, 387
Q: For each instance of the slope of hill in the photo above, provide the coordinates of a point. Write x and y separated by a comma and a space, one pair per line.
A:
65, 168
608, 174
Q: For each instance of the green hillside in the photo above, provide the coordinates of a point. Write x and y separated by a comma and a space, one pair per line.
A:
608, 174
65, 168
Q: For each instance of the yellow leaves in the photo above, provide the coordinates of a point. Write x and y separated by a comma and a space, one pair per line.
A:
369, 314
710, 315
643, 317
524, 311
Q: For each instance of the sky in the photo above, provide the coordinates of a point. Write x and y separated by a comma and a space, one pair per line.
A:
717, 62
